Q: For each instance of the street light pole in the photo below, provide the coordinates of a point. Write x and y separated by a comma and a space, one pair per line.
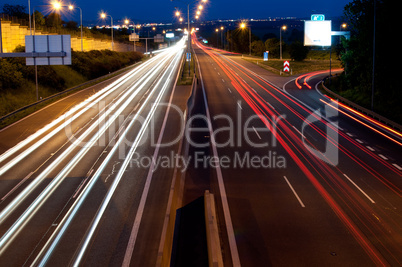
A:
188, 24
280, 40
56, 6
71, 7
249, 38
243, 26
127, 21
103, 15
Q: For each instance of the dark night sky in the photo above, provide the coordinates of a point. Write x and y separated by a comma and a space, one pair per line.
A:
163, 10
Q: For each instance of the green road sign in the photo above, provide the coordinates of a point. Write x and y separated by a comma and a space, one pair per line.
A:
317, 17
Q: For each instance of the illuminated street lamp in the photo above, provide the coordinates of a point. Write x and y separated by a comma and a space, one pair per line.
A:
243, 26
343, 26
222, 28
103, 16
280, 39
217, 36
56, 6
127, 22
71, 7
188, 18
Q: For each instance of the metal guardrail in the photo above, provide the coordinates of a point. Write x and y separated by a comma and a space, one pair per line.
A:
62, 93
362, 109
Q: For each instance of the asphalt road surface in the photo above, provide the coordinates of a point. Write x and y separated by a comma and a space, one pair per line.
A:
300, 180
76, 175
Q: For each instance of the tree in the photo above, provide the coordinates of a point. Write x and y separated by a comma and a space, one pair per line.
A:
53, 20
239, 40
15, 11
10, 76
357, 58
298, 51
257, 48
71, 25
272, 45
39, 20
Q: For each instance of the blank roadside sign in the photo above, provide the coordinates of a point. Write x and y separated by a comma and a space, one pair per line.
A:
46, 44
317, 32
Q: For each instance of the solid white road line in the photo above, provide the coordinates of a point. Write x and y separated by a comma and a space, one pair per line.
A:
364, 193
63, 225
382, 156
397, 166
256, 133
222, 191
141, 207
294, 192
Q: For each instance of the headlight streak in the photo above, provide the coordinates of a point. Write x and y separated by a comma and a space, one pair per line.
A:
84, 106
24, 218
63, 225
372, 252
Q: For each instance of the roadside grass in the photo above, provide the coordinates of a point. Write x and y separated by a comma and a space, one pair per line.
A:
25, 94
186, 75
71, 77
315, 61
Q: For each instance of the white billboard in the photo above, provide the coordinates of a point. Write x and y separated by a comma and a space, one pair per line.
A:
45, 44
317, 33
169, 35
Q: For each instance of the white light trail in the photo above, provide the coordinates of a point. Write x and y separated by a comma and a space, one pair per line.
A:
37, 203
84, 106
63, 225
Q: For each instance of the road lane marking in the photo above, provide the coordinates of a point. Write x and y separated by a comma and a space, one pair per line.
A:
299, 132
223, 80
256, 133
382, 156
370, 148
18, 185
230, 91
221, 185
52, 242
397, 166
238, 103
360, 141
364, 193
270, 105
294, 192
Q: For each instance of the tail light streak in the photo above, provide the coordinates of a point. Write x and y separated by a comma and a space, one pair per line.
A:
291, 143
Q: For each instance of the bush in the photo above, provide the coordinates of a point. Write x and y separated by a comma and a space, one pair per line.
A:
10, 76
95, 63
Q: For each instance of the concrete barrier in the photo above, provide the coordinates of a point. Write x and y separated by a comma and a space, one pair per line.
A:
213, 242
175, 197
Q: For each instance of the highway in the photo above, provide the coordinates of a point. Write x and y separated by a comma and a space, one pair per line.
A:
301, 180
76, 175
